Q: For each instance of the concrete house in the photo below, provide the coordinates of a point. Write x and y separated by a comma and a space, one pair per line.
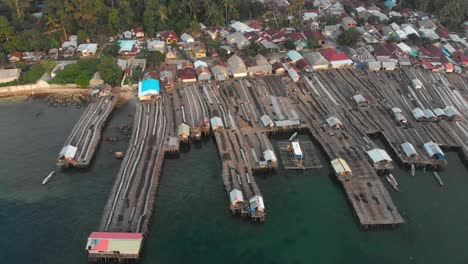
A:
202, 70
148, 89
220, 72
258, 65
237, 67
238, 40
317, 61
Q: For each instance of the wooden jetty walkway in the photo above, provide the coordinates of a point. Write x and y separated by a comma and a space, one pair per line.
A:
80, 146
342, 109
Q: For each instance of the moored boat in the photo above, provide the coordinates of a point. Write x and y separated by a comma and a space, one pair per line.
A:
47, 179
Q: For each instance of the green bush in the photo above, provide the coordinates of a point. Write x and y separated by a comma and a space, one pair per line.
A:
32, 75
80, 73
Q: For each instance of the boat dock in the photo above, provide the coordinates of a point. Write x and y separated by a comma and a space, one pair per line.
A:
80, 146
243, 113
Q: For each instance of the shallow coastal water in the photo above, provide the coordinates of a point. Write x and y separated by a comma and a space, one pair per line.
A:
308, 217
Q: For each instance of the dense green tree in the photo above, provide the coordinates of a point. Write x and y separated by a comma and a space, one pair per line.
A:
333, 20
113, 19
86, 13
314, 42
82, 36
18, 7
6, 30
155, 58
111, 50
349, 37
110, 72
127, 14
289, 44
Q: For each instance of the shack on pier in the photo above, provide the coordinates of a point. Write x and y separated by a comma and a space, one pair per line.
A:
183, 132
379, 158
409, 150
419, 115
68, 153
267, 121
417, 84
256, 203
269, 157
237, 199
113, 245
452, 113
341, 168
334, 122
434, 151
360, 100
398, 115
216, 123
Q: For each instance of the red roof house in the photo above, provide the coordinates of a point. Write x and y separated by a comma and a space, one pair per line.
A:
169, 36
337, 59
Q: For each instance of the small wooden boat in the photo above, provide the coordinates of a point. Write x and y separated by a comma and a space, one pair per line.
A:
47, 179
436, 175
394, 186
413, 170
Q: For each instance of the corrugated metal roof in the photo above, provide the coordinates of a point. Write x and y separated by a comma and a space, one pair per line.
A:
340, 166
378, 155
269, 155
68, 152
236, 196
408, 149
433, 149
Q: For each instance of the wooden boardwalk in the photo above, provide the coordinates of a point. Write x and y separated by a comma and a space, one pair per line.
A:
131, 201
251, 109
86, 134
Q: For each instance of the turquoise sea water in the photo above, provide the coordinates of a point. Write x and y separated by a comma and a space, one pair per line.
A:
308, 221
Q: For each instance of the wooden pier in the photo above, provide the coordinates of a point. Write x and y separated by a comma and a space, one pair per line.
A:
242, 113
80, 146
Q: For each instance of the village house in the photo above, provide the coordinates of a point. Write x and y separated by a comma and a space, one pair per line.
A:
186, 38
139, 33
202, 70
348, 22
199, 51
148, 89
186, 72
87, 49
166, 77
15, 56
128, 47
258, 65
238, 40
317, 61
303, 65
237, 67
336, 59
156, 45
278, 68
169, 36
219, 71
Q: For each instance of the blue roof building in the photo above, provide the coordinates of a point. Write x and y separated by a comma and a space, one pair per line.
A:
148, 88
294, 56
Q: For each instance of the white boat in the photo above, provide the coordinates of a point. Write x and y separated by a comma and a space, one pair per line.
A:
393, 180
413, 170
47, 179
436, 175
394, 186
